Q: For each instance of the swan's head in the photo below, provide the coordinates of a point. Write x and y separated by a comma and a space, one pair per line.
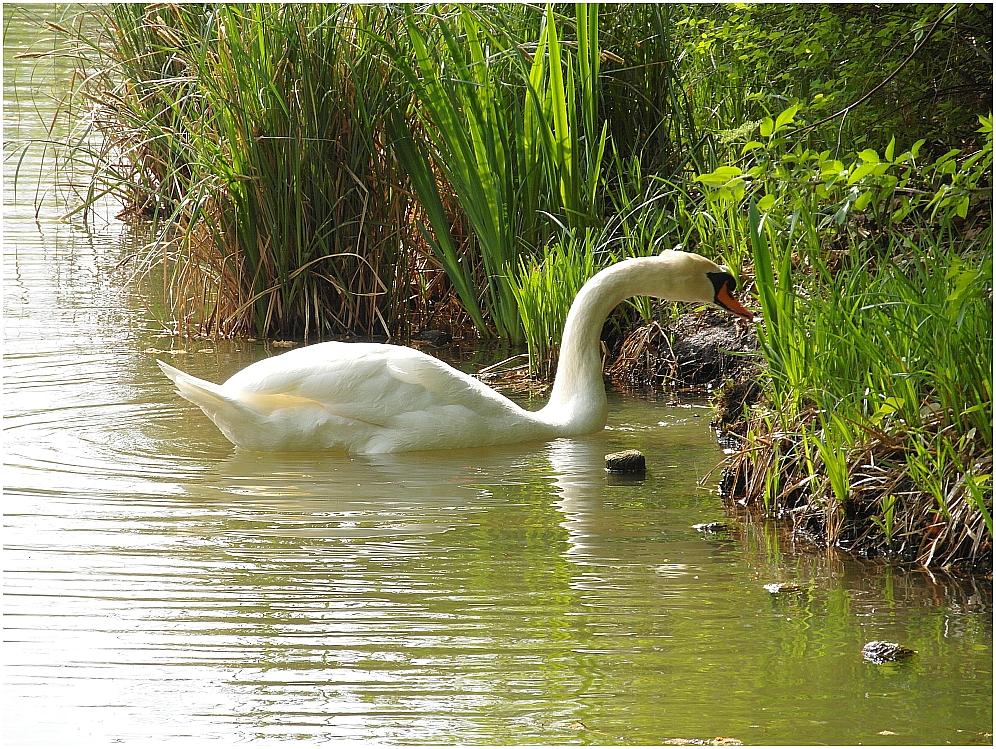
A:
693, 278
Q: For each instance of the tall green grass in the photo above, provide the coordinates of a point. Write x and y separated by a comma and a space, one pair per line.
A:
278, 150
647, 99
518, 137
544, 290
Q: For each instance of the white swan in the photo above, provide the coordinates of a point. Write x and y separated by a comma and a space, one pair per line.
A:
379, 398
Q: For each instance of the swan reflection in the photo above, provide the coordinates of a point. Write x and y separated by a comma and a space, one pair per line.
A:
579, 476
412, 494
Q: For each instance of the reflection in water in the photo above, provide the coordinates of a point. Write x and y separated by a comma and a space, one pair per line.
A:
579, 474
159, 584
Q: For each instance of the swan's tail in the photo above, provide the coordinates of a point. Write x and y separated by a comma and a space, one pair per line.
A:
229, 414
200, 392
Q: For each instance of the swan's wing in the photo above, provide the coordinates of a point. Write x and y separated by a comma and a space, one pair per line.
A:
374, 383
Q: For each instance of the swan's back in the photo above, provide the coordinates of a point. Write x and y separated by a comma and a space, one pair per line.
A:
358, 397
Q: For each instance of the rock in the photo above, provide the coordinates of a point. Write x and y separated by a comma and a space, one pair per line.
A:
776, 588
711, 527
434, 337
879, 651
627, 461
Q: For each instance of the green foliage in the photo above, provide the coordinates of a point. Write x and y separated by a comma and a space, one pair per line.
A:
799, 181
891, 335
544, 290
501, 118
746, 61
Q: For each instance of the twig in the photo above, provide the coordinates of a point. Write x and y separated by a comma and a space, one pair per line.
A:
492, 367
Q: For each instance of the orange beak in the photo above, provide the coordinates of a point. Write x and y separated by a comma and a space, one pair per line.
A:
727, 301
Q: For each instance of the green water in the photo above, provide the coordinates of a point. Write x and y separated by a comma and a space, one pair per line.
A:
159, 584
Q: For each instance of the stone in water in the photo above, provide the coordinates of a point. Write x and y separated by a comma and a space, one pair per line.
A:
879, 651
627, 461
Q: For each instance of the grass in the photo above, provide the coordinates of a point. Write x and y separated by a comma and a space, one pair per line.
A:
522, 160
310, 169
254, 138
544, 290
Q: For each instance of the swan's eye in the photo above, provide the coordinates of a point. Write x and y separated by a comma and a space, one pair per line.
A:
721, 280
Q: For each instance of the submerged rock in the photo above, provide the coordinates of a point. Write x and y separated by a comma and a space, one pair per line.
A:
627, 461
711, 527
776, 588
879, 651
434, 337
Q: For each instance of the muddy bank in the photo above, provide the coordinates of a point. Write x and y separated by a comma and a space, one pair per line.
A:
700, 350
886, 513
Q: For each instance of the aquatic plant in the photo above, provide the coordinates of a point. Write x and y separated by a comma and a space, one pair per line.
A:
517, 136
544, 289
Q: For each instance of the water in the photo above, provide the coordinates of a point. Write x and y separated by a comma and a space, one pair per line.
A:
160, 584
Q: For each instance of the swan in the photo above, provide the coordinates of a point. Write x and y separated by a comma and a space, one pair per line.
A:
381, 398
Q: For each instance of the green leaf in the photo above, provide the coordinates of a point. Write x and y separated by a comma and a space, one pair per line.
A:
763, 271
948, 157
860, 173
767, 127
841, 215
962, 209
869, 156
787, 116
863, 200
888, 407
890, 149
720, 177
416, 163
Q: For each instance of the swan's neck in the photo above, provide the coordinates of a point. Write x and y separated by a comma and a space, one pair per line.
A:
577, 402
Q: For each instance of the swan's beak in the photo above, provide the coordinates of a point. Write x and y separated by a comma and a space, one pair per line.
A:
727, 301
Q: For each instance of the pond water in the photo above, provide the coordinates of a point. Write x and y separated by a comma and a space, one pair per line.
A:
160, 584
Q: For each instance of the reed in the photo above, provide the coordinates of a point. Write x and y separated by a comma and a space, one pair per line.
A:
277, 150
255, 138
544, 289
647, 99
516, 135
